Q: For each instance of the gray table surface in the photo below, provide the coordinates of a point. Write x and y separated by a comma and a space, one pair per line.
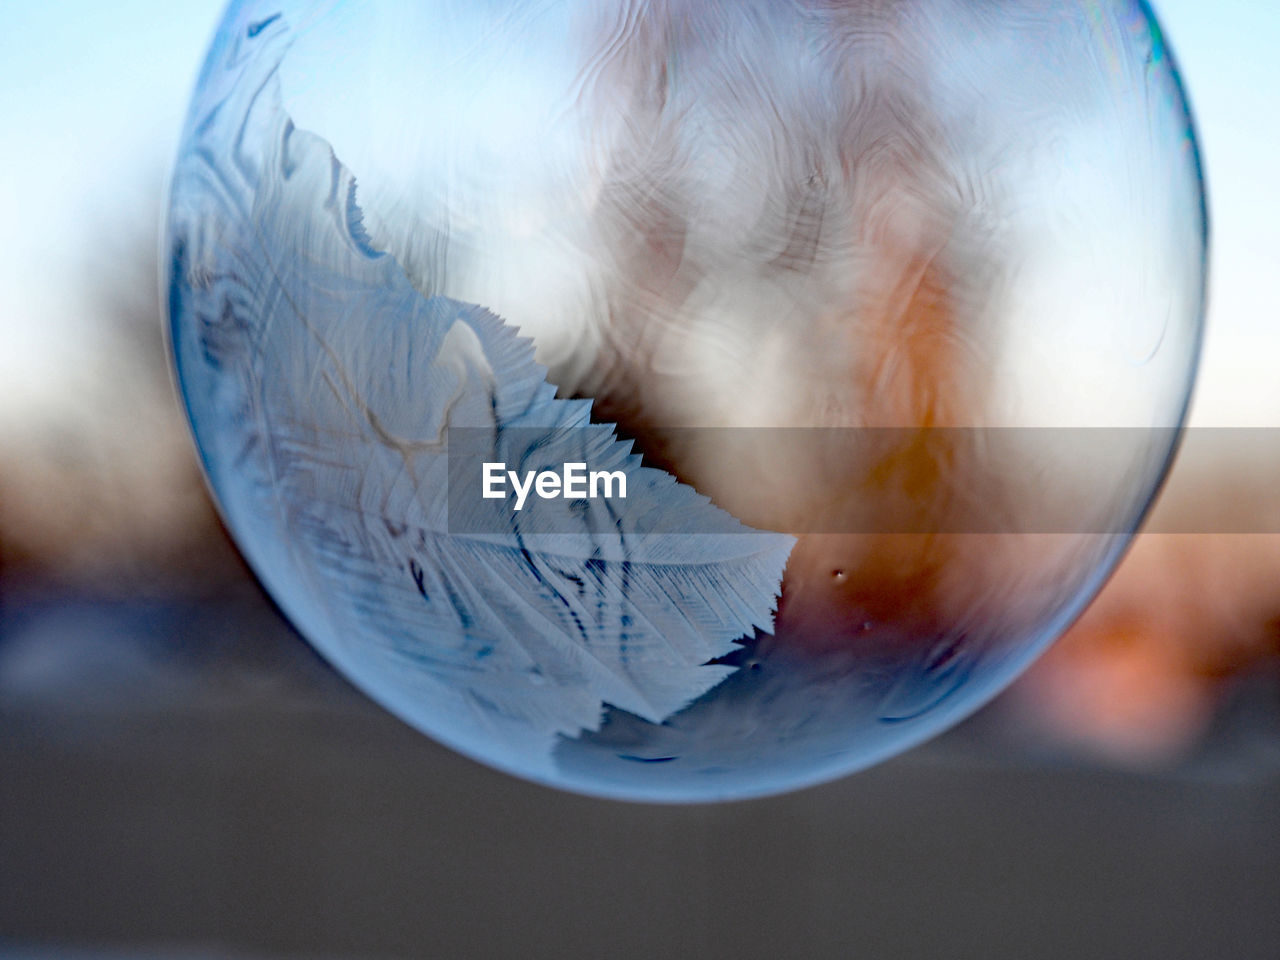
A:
187, 779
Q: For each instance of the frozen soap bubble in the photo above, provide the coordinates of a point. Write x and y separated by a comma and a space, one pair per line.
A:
884, 313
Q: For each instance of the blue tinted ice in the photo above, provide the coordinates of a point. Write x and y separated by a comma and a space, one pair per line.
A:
328, 428
408, 239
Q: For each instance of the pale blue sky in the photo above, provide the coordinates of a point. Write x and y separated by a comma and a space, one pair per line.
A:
91, 96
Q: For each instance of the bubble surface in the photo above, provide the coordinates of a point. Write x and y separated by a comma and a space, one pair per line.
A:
885, 316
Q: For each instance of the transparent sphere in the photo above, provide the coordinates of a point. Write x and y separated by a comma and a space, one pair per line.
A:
875, 321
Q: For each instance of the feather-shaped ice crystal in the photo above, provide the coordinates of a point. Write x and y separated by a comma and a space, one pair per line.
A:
323, 387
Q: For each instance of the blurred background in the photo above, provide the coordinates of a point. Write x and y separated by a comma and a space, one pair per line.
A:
180, 776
